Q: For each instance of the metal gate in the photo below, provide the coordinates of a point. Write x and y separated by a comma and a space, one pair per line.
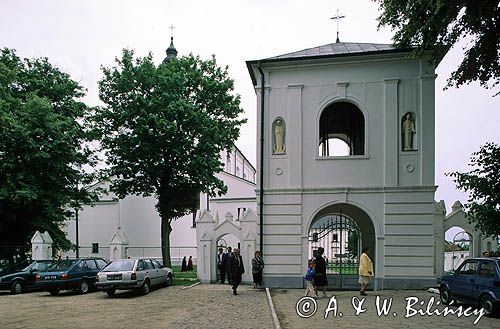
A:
341, 238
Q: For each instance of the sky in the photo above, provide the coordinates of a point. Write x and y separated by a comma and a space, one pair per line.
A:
80, 36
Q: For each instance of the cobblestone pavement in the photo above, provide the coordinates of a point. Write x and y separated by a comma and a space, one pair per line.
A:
285, 303
203, 306
213, 306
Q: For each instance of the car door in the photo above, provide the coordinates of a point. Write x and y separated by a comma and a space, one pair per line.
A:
162, 271
152, 272
39, 266
91, 270
485, 277
462, 284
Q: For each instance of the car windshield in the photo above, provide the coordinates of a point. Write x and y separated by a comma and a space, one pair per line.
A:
27, 267
120, 265
62, 265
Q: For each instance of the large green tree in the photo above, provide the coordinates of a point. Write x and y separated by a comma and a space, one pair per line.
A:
483, 185
42, 151
430, 23
163, 128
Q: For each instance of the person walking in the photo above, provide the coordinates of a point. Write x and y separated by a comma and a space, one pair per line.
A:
183, 265
236, 268
311, 270
221, 265
229, 254
190, 264
365, 271
257, 267
319, 279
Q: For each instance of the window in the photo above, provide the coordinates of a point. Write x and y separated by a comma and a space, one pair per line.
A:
95, 248
486, 270
91, 264
341, 130
141, 266
149, 266
241, 212
468, 268
156, 263
100, 263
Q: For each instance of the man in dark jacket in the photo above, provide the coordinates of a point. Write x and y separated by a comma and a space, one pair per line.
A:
226, 258
236, 269
221, 265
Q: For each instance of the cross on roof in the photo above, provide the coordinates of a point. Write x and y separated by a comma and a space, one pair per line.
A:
172, 27
337, 18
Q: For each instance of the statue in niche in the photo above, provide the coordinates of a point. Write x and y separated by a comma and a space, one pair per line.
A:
279, 136
408, 130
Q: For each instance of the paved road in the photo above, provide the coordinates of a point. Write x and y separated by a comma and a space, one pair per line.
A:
212, 306
285, 302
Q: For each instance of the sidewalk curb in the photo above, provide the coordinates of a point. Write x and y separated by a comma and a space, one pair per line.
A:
191, 286
273, 312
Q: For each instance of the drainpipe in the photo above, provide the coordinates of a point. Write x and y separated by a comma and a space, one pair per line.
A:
261, 194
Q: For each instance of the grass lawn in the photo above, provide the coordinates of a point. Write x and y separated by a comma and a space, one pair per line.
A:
184, 278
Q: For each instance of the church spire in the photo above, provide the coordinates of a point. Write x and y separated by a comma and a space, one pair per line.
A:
171, 51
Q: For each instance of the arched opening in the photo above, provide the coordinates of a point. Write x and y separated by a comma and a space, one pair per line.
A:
341, 130
342, 230
458, 247
225, 243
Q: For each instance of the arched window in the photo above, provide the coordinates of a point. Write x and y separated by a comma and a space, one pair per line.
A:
341, 130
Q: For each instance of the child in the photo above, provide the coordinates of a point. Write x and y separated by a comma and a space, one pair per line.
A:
309, 278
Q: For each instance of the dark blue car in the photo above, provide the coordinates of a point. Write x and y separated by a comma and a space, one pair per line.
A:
70, 274
476, 281
23, 279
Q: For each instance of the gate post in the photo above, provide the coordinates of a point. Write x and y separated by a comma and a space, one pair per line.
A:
205, 255
41, 246
118, 245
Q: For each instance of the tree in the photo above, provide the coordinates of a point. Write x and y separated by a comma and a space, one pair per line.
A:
483, 184
442, 23
163, 128
42, 130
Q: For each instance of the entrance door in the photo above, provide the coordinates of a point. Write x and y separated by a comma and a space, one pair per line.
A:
341, 238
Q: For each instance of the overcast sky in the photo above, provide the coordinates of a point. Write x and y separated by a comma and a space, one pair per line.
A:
80, 36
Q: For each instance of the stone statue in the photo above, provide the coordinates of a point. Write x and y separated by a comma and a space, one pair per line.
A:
408, 131
279, 137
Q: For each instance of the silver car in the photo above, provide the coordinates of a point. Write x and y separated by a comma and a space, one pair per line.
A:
127, 274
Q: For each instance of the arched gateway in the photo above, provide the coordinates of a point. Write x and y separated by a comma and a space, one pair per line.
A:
343, 230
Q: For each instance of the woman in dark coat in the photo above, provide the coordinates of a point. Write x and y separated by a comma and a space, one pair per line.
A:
183, 266
320, 281
190, 264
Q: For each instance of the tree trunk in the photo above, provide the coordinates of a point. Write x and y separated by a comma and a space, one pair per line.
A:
165, 241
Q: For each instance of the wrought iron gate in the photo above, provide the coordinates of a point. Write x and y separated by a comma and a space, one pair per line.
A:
341, 238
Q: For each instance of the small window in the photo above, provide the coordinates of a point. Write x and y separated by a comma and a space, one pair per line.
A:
141, 266
468, 268
91, 264
95, 248
156, 263
149, 266
486, 270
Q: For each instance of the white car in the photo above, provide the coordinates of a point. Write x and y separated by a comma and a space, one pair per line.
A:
127, 274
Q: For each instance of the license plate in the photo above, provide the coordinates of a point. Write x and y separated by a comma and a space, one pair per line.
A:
50, 277
115, 277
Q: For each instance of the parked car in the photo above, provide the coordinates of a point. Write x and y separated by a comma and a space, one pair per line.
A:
476, 281
70, 274
138, 274
23, 279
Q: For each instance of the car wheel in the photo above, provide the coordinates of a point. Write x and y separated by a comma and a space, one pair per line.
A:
488, 305
84, 287
445, 296
16, 287
169, 280
54, 292
111, 292
145, 287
